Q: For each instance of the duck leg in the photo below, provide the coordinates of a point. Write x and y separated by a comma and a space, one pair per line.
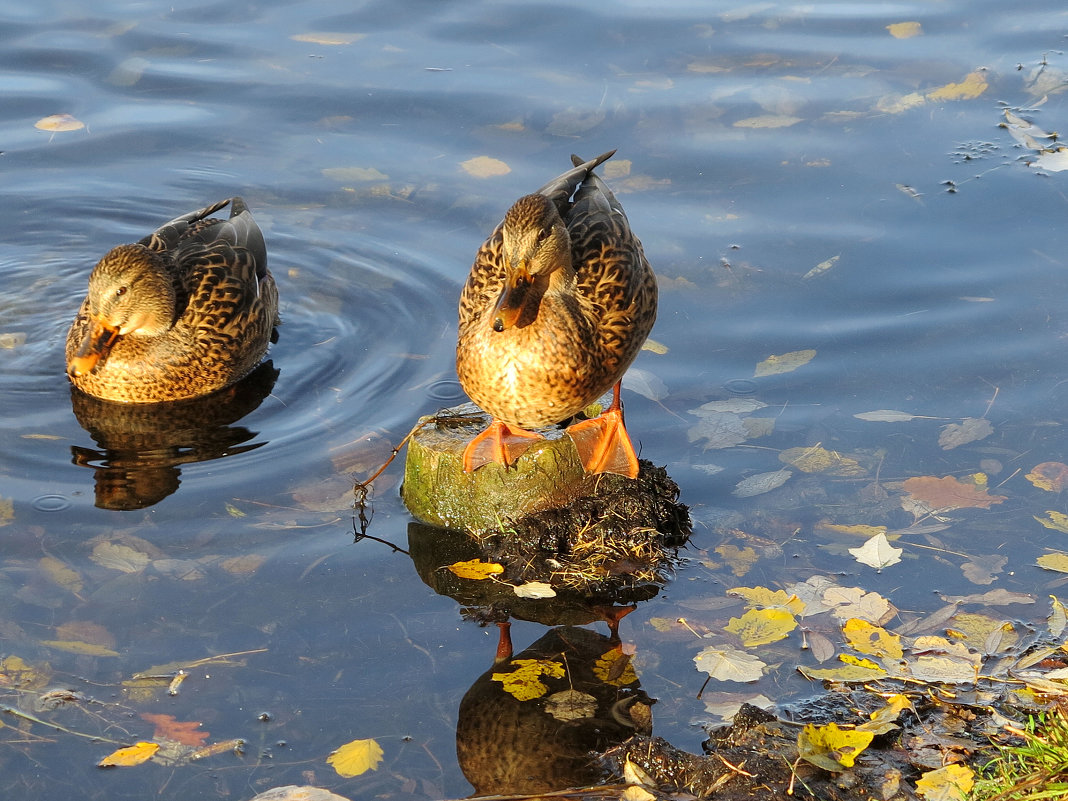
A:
499, 443
603, 443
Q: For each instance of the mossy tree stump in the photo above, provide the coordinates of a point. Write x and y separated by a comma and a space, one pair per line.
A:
437, 490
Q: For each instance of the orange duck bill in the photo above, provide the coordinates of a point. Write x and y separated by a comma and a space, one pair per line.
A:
96, 346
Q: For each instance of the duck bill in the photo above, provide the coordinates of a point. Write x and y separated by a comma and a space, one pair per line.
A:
515, 297
96, 345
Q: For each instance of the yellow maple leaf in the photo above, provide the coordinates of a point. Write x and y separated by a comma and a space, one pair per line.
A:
127, 757
764, 598
1058, 521
831, 748
870, 639
761, 626
973, 85
616, 668
785, 363
475, 569
356, 757
905, 30
524, 682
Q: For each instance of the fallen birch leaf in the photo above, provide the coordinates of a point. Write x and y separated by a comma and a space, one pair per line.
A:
761, 626
534, 589
1057, 562
764, 598
1058, 521
949, 783
872, 640
128, 757
815, 459
831, 748
356, 758
1058, 618
475, 569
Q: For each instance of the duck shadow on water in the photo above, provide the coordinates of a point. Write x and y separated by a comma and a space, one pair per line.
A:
141, 447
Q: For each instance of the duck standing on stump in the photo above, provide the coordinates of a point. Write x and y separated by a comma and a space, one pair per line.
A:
188, 310
556, 307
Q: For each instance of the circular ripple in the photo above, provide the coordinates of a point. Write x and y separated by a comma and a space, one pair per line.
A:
51, 503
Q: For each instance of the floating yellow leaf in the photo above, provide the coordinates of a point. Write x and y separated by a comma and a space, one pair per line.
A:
764, 598
1049, 476
949, 783
651, 344
983, 633
872, 640
485, 167
815, 459
616, 668
475, 569
328, 38
853, 670
356, 758
885, 718
905, 30
524, 682
761, 626
59, 122
831, 748
768, 121
785, 363
1058, 617
1058, 521
1054, 561
973, 85
127, 757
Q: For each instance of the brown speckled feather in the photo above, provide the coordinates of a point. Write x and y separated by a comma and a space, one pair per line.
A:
213, 331
576, 334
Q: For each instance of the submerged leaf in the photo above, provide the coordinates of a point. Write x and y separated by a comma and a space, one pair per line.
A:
970, 429
887, 416
787, 362
905, 30
569, 705
761, 483
1049, 476
949, 493
973, 85
815, 459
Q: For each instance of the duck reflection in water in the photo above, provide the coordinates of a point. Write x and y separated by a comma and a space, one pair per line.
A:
143, 446
510, 743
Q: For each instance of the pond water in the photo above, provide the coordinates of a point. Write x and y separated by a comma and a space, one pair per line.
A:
755, 142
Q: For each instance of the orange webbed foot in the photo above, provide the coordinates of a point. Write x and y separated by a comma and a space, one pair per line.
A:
603, 444
499, 443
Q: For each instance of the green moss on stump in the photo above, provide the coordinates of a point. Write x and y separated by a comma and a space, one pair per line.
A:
437, 490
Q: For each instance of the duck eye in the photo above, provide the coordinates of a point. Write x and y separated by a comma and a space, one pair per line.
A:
120, 291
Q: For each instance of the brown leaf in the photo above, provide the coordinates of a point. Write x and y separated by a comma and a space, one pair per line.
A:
950, 493
186, 732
